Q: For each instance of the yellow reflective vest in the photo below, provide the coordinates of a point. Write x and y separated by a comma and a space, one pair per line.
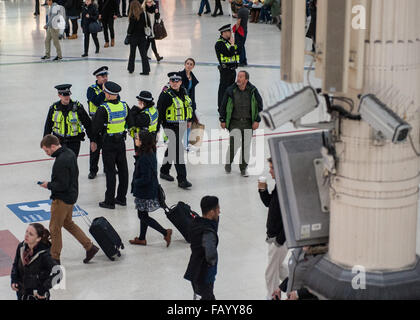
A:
117, 113
154, 117
179, 111
69, 126
230, 59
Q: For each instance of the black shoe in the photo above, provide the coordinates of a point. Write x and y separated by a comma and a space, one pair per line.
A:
36, 14
92, 175
214, 15
184, 184
97, 50
45, 57
166, 177
144, 73
106, 205
159, 58
124, 15
220, 13
84, 55
57, 58
119, 16
120, 203
199, 14
228, 168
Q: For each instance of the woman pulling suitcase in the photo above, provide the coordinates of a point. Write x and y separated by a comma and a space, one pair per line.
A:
145, 187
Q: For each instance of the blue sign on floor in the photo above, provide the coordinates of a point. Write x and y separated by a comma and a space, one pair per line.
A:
36, 211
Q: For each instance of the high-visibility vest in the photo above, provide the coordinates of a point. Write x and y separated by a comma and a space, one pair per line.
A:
154, 117
176, 112
69, 126
92, 107
117, 113
231, 59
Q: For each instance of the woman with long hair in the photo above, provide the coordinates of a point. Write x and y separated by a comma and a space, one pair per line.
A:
31, 272
145, 187
137, 37
150, 7
90, 15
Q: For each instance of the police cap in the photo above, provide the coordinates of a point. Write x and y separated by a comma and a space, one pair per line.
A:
64, 89
146, 96
112, 88
174, 76
101, 71
226, 27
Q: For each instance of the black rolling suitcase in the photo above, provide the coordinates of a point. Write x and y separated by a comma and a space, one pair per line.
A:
105, 235
181, 217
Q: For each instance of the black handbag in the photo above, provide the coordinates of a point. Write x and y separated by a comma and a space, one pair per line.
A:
159, 30
95, 27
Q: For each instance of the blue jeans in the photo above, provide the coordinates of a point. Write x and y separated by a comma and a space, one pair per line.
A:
202, 4
240, 42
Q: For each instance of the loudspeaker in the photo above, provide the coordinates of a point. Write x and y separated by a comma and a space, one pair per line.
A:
293, 40
337, 46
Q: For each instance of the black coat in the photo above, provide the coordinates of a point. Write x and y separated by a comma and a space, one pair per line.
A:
275, 228
93, 12
64, 183
138, 118
37, 274
108, 8
145, 182
136, 29
185, 83
202, 267
73, 8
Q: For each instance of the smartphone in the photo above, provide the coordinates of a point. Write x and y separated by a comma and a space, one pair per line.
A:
39, 182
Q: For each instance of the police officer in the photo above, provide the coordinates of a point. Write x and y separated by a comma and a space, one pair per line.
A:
96, 97
113, 114
227, 54
144, 116
175, 115
68, 120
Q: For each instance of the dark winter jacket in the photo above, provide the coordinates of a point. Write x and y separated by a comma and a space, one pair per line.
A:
275, 228
108, 8
202, 267
37, 274
93, 12
136, 29
228, 103
73, 8
138, 118
64, 183
185, 84
145, 182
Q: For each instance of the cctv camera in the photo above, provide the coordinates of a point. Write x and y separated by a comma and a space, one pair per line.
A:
291, 109
383, 119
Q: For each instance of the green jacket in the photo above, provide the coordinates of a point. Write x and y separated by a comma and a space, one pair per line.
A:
228, 104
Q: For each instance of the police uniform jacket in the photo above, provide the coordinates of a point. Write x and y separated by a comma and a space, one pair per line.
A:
81, 113
221, 48
165, 101
100, 120
96, 99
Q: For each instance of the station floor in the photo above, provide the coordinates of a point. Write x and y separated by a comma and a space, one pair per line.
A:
151, 272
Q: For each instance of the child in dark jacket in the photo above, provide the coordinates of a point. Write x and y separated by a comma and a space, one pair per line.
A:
31, 275
145, 187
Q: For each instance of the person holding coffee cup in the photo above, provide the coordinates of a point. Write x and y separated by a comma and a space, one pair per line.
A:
276, 238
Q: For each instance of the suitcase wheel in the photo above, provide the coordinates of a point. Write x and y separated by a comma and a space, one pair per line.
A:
119, 254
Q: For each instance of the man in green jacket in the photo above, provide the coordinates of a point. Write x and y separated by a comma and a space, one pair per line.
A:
239, 113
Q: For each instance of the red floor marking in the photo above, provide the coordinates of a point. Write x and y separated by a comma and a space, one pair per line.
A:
8, 245
205, 141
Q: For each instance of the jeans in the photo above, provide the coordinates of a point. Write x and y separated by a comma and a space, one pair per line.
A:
206, 4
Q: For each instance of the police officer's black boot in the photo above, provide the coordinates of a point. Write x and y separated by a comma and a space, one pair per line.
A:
92, 175
184, 184
167, 177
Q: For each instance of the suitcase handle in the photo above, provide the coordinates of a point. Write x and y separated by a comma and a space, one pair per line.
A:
86, 219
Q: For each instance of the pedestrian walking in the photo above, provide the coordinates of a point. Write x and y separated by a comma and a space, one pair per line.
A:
90, 15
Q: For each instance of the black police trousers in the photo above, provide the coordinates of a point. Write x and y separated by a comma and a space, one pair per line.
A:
94, 157
227, 78
74, 146
114, 157
175, 151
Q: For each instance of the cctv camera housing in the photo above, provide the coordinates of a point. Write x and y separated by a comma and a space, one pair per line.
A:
383, 119
292, 108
